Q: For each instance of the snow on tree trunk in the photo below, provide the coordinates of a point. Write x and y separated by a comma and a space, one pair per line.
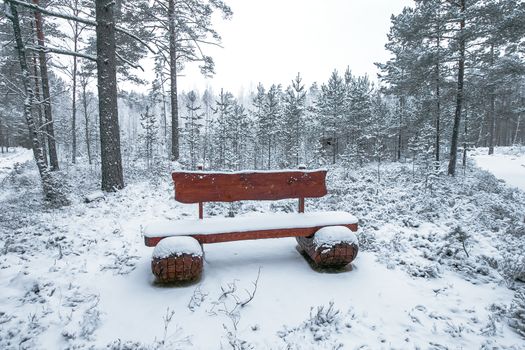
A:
492, 110
173, 80
459, 94
74, 98
111, 160
51, 142
438, 96
40, 121
86, 122
51, 192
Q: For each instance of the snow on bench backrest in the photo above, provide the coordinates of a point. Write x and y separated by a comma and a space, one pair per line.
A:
200, 186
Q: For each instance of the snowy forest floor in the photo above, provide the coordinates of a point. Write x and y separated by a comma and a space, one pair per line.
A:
439, 266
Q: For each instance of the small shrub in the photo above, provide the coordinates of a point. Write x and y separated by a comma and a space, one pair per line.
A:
517, 313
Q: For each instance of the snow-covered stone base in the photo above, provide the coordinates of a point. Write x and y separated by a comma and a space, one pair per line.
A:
177, 259
331, 247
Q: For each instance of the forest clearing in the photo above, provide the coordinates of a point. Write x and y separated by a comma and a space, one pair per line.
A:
147, 147
87, 282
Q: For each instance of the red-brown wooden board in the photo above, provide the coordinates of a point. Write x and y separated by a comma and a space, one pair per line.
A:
195, 187
240, 236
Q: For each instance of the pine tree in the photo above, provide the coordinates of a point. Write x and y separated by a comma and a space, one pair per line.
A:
294, 108
224, 130
331, 110
159, 95
240, 125
186, 25
377, 131
192, 127
207, 100
112, 174
360, 102
258, 102
149, 125
269, 121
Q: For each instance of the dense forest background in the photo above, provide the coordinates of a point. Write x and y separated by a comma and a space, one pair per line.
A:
455, 80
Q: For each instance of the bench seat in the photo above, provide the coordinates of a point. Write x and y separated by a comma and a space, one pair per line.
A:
272, 225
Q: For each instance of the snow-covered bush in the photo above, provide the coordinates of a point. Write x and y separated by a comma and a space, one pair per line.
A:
319, 330
512, 266
517, 312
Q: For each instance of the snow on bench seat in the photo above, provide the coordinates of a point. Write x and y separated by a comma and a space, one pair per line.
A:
273, 225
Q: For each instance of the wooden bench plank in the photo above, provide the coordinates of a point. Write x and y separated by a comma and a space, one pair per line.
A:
273, 225
250, 235
196, 187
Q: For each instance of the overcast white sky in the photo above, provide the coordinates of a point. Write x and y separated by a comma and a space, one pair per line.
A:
271, 40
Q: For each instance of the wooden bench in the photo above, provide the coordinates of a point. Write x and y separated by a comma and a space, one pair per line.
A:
333, 248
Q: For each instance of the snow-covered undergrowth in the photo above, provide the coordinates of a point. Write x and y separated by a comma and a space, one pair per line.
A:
440, 266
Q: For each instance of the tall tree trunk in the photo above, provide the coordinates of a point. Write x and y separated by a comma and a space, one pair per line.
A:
205, 140
76, 36
51, 193
515, 139
465, 139
86, 118
459, 94
173, 80
438, 97
2, 141
492, 106
111, 160
51, 142
269, 151
481, 136
334, 145
164, 114
74, 109
400, 129
40, 121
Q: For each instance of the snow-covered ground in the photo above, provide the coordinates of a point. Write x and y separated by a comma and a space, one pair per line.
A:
11, 159
507, 164
431, 273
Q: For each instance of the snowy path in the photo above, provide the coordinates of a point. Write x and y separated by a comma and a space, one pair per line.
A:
8, 160
505, 166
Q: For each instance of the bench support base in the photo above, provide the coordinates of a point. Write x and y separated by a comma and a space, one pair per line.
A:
178, 268
336, 256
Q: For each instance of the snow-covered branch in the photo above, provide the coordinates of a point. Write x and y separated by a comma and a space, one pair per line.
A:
53, 13
62, 52
136, 66
76, 18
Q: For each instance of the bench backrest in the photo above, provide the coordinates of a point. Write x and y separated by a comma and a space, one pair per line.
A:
200, 186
